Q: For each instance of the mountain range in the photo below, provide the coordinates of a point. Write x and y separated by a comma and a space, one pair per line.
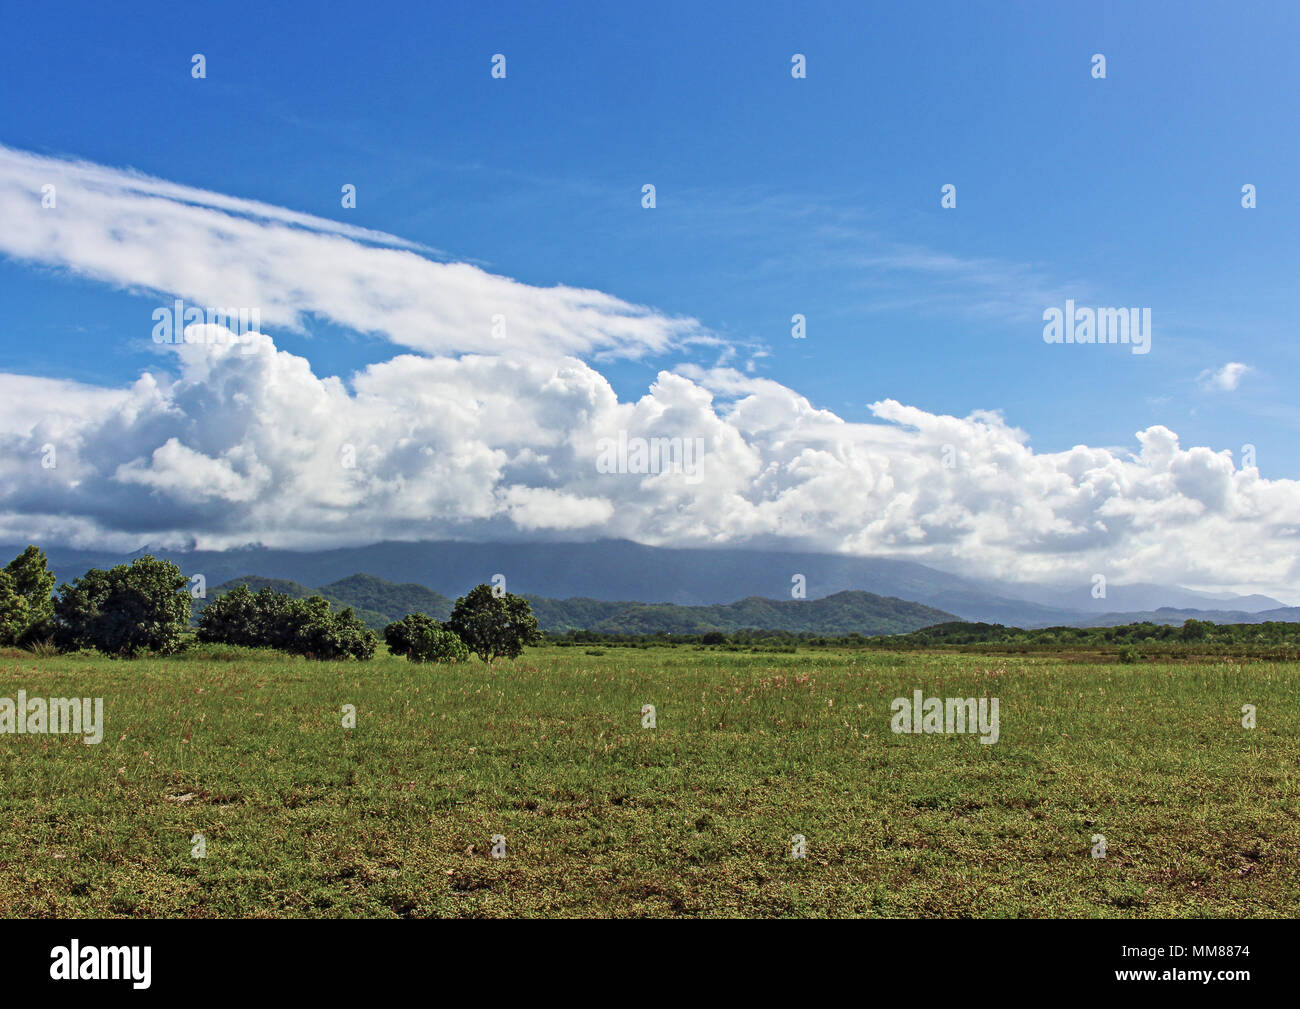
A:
582, 575
377, 602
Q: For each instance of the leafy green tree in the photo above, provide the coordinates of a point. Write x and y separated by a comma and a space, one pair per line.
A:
126, 609
15, 615
492, 625
422, 639
33, 581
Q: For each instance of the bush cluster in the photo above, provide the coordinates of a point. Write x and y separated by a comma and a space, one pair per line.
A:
270, 619
422, 639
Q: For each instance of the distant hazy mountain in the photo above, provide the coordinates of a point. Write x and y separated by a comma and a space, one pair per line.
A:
618, 570
1133, 598
1169, 615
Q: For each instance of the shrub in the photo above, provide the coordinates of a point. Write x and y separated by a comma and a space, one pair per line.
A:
438, 644
126, 609
270, 619
397, 635
236, 617
43, 649
312, 630
422, 639
493, 625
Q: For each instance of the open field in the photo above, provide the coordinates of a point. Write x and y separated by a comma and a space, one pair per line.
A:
302, 817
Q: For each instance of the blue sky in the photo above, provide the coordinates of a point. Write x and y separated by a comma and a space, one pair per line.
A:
775, 196
1127, 189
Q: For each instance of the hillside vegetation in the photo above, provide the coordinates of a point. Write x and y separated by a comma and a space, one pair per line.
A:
378, 602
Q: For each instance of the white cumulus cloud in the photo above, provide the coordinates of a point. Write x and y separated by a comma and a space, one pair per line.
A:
246, 443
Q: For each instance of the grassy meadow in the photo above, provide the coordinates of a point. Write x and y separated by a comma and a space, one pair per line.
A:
395, 818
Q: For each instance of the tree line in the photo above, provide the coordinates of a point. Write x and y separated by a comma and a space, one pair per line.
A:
1192, 632
1268, 639
147, 606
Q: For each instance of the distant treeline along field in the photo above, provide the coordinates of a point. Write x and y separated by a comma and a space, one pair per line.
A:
150, 605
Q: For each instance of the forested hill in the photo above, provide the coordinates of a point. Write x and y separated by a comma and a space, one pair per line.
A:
841, 613
377, 602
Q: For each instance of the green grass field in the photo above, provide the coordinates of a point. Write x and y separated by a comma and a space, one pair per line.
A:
302, 817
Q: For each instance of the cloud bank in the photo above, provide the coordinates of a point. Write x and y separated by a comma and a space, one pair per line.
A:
482, 436
246, 444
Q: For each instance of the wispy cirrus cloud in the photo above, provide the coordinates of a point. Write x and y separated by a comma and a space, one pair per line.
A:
141, 233
980, 287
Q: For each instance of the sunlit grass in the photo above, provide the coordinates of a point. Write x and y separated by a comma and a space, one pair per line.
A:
303, 817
